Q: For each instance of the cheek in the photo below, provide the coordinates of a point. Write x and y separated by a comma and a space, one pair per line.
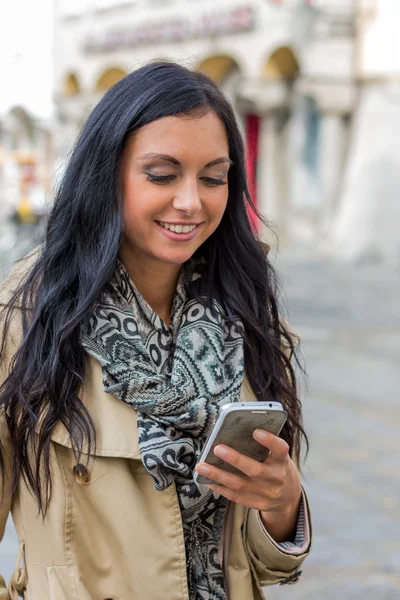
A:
216, 206
140, 204
132, 217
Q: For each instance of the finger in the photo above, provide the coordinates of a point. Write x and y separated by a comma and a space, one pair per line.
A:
279, 449
249, 500
248, 466
236, 483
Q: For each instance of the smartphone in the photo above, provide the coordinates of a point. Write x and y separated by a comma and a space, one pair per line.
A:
234, 427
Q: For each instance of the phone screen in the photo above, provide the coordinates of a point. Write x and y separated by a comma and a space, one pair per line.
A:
237, 430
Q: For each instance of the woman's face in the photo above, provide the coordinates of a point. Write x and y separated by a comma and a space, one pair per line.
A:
175, 191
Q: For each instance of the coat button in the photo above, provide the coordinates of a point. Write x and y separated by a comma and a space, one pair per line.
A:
81, 474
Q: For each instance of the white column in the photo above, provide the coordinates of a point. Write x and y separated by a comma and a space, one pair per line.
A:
271, 172
265, 175
333, 134
367, 223
299, 192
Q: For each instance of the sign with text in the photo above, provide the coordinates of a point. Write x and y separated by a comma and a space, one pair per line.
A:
173, 29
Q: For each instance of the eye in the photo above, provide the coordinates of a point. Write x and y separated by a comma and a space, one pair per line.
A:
213, 182
160, 179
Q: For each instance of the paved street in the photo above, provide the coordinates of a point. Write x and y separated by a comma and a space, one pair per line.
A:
349, 319
350, 324
16, 241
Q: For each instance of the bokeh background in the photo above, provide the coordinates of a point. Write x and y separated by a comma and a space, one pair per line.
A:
316, 88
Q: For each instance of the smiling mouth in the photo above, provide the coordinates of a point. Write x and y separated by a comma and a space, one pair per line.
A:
177, 228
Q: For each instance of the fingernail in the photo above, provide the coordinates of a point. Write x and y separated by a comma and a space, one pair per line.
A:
260, 434
203, 469
220, 451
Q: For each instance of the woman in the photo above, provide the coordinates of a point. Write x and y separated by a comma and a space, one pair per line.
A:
149, 306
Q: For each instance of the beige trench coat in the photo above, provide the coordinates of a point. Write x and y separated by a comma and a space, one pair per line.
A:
108, 533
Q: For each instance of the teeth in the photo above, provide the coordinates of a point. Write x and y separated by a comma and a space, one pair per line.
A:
178, 228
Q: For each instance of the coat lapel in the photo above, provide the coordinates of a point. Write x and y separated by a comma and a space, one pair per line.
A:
115, 422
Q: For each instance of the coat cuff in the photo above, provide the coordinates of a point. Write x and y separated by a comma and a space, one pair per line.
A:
301, 542
271, 562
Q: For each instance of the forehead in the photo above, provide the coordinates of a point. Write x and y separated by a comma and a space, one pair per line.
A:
201, 137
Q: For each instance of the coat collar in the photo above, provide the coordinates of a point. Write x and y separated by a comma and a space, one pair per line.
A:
115, 421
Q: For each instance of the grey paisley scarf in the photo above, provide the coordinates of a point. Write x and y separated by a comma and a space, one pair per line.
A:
176, 378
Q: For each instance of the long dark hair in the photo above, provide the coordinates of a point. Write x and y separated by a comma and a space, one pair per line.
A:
79, 254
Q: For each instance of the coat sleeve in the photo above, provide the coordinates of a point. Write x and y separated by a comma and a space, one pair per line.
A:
269, 562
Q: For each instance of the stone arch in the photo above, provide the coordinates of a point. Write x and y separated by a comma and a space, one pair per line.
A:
71, 85
226, 72
219, 67
21, 126
108, 78
281, 64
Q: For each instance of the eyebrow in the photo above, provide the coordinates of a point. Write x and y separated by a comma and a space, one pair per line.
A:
174, 161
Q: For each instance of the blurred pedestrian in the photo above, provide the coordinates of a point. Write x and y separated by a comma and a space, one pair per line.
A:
149, 305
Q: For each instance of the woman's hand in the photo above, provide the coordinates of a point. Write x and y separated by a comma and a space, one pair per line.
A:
273, 487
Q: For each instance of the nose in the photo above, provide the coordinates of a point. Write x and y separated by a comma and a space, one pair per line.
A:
187, 198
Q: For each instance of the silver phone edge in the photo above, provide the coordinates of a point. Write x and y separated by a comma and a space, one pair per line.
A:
246, 405
223, 413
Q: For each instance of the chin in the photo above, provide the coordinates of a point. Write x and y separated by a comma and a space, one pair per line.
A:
178, 258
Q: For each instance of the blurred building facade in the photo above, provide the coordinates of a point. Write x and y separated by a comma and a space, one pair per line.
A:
295, 71
26, 127
26, 162
366, 226
287, 67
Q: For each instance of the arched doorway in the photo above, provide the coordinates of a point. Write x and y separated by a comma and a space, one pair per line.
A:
281, 64
71, 86
280, 69
109, 78
219, 67
21, 128
279, 72
226, 72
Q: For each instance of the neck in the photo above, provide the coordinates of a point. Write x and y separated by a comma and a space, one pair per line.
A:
156, 281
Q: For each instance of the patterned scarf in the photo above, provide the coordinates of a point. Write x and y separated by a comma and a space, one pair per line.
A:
176, 378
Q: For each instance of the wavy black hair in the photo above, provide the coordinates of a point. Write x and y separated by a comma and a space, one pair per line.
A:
79, 254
